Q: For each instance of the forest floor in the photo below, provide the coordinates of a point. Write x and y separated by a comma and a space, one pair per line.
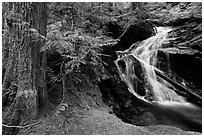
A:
95, 122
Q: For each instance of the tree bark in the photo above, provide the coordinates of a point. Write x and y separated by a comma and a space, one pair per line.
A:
40, 58
10, 62
31, 94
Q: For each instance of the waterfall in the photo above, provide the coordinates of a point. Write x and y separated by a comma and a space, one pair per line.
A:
137, 67
146, 53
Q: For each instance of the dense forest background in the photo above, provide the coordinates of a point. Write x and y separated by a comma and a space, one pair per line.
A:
58, 71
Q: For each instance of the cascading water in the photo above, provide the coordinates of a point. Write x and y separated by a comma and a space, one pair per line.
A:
137, 67
147, 53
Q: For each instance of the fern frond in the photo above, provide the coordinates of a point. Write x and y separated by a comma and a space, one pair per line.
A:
52, 76
111, 42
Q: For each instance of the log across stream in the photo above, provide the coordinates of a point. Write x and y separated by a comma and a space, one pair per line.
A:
137, 68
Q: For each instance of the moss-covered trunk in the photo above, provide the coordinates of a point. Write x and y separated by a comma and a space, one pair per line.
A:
31, 93
9, 60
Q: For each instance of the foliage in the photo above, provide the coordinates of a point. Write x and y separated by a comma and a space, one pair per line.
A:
89, 16
92, 18
62, 107
76, 48
168, 11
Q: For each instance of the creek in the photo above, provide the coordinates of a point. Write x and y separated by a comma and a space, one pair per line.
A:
137, 67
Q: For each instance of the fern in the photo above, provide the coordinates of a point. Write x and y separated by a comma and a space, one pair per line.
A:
77, 48
61, 108
81, 55
52, 76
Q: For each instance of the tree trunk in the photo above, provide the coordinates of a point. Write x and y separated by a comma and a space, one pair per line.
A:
9, 60
10, 53
31, 94
40, 58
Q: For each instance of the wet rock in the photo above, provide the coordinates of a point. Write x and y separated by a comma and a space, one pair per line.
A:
188, 35
135, 32
182, 20
182, 57
183, 65
113, 29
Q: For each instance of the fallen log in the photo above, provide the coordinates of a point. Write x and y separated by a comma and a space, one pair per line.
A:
189, 95
192, 97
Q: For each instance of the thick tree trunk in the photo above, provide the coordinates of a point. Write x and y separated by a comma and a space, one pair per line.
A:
25, 105
9, 60
31, 94
9, 77
40, 59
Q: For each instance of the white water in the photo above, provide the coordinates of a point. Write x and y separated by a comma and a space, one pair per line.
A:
162, 92
146, 53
